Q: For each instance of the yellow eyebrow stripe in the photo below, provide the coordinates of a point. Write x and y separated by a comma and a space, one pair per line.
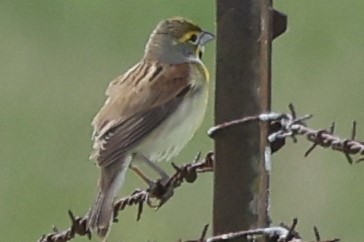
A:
187, 36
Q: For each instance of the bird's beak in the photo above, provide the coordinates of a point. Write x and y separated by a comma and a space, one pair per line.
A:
206, 37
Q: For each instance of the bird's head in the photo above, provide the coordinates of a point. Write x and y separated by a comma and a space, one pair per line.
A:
177, 40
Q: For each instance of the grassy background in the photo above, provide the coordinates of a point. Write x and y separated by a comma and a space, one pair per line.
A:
57, 58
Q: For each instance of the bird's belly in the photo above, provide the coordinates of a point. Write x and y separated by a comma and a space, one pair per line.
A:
166, 141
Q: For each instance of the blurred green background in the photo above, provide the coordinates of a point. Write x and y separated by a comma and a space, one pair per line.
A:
57, 58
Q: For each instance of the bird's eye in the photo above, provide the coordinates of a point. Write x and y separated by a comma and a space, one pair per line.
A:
193, 38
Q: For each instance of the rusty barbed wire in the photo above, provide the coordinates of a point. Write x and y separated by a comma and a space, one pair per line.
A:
78, 227
289, 125
280, 233
282, 125
161, 191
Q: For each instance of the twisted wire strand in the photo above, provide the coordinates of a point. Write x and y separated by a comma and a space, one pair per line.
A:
282, 233
283, 125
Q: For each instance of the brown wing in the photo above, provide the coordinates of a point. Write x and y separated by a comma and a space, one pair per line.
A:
138, 102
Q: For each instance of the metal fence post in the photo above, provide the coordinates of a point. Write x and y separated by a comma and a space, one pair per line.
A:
245, 31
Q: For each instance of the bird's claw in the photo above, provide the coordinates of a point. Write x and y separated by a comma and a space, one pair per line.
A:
162, 191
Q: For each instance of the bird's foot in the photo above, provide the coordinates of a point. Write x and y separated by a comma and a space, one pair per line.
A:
162, 190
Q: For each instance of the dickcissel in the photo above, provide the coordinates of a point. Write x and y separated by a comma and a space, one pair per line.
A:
151, 111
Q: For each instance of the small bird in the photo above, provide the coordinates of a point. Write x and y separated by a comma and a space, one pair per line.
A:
152, 111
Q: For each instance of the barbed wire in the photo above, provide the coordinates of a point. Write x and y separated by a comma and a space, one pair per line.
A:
281, 126
280, 233
289, 125
161, 191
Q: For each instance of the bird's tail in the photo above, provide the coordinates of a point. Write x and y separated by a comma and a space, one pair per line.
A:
101, 213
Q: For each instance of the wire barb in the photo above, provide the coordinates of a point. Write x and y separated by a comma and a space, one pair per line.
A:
78, 227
